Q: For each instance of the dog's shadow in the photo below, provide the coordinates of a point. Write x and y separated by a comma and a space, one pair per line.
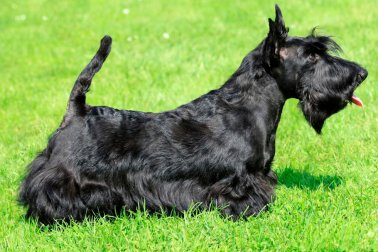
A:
292, 178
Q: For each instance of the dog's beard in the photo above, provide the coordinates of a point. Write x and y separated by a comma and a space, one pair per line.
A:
313, 116
316, 111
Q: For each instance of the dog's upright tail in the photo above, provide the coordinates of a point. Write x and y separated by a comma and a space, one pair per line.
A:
76, 103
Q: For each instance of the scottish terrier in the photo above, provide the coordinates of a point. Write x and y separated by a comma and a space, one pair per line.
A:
215, 150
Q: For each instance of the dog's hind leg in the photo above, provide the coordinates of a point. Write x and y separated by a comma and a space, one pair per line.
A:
76, 104
51, 193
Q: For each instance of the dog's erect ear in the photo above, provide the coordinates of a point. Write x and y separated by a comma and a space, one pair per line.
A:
279, 19
275, 39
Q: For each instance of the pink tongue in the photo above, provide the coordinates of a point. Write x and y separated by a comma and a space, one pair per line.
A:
357, 101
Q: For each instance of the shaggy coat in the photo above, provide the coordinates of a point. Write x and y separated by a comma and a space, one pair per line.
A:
216, 149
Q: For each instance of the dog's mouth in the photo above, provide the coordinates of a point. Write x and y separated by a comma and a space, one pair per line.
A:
359, 79
356, 101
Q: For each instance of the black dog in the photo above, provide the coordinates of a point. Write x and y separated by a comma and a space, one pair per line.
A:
216, 149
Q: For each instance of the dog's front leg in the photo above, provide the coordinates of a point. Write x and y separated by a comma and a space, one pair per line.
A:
269, 152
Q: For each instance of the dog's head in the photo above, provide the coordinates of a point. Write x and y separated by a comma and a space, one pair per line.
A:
304, 69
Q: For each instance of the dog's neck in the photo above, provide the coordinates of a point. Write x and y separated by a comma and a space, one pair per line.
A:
252, 88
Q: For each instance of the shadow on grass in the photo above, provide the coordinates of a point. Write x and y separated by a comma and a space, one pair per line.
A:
291, 178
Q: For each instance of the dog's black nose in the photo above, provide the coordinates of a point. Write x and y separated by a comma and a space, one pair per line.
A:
363, 74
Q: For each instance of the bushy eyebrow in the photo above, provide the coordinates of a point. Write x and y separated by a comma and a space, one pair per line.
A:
322, 43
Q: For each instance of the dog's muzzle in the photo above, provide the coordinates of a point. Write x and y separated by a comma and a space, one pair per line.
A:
361, 76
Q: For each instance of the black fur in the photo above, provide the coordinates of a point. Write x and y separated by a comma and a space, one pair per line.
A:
217, 149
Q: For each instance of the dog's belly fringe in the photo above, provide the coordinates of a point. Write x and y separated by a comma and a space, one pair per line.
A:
51, 192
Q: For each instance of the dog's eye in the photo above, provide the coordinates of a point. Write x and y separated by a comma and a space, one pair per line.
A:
313, 57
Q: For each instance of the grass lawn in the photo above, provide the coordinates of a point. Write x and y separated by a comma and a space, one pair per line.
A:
166, 53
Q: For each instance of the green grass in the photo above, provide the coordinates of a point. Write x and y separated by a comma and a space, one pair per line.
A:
327, 196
